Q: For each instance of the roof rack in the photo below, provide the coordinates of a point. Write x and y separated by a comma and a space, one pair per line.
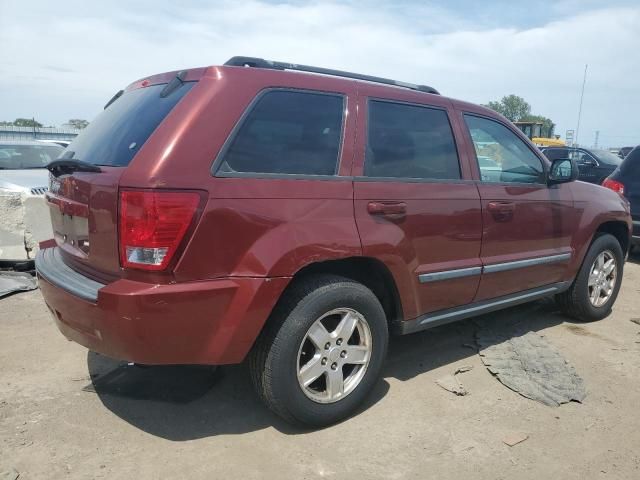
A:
262, 63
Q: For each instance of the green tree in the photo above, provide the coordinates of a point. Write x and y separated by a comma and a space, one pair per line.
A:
513, 107
78, 123
26, 122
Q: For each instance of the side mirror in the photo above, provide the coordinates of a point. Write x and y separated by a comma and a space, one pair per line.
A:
562, 170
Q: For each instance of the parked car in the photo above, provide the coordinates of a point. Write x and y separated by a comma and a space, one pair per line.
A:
62, 143
594, 165
23, 213
624, 151
626, 181
297, 216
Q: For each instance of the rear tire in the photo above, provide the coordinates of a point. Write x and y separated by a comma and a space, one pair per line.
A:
303, 368
594, 290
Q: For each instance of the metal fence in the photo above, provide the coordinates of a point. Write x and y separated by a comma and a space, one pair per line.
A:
37, 133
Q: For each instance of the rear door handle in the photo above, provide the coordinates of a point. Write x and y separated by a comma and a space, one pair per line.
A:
501, 211
387, 208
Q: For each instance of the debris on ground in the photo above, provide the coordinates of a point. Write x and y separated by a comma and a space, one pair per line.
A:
15, 282
514, 439
635, 320
10, 474
463, 369
528, 364
451, 383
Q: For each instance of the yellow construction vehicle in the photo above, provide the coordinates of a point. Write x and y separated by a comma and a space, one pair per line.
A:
538, 134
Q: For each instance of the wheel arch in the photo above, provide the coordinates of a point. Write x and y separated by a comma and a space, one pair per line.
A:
369, 271
619, 230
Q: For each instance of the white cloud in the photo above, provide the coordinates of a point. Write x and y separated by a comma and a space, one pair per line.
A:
62, 61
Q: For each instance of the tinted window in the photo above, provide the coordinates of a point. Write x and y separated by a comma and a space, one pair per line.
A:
288, 132
607, 157
410, 142
514, 159
19, 156
556, 153
583, 157
119, 131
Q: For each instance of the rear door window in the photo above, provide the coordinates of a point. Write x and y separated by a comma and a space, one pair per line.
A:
410, 141
287, 132
118, 132
556, 153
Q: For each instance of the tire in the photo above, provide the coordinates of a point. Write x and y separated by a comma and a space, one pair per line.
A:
576, 302
285, 344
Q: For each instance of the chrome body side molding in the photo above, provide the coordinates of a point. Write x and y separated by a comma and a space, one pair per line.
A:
529, 262
492, 268
449, 274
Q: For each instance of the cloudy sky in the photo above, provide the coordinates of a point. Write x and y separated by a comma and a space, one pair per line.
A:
65, 59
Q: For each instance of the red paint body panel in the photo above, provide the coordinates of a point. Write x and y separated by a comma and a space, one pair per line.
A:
252, 235
192, 322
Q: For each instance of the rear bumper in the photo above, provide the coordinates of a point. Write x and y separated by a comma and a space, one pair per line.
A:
204, 322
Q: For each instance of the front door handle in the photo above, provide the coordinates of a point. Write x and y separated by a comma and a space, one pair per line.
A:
502, 211
387, 208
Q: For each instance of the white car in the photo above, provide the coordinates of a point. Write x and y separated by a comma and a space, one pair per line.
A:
24, 179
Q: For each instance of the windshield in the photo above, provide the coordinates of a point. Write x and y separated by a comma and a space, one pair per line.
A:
19, 156
118, 132
607, 157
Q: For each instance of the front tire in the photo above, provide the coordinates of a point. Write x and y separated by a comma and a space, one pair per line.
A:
596, 287
321, 352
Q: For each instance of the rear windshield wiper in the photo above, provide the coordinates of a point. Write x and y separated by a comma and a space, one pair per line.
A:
114, 98
67, 166
175, 83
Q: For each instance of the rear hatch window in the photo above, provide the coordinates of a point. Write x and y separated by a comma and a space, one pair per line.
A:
116, 134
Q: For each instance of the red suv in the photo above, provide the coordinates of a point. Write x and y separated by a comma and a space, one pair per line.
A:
295, 216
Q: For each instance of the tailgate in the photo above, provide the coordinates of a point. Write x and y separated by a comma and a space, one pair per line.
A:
84, 213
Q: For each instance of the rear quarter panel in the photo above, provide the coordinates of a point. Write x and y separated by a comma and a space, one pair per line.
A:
250, 226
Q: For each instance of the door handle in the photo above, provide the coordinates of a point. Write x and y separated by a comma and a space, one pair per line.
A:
501, 211
387, 208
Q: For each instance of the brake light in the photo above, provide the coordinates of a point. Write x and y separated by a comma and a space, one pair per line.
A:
152, 225
614, 185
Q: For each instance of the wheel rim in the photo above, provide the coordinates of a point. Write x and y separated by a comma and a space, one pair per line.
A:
602, 278
334, 355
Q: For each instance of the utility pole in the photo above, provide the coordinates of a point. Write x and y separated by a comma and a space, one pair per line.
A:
584, 81
595, 143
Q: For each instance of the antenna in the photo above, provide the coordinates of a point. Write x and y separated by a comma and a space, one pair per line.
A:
584, 81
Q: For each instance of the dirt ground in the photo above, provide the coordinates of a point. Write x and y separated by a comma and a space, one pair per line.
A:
191, 423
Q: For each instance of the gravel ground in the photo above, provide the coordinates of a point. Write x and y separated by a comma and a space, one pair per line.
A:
65, 413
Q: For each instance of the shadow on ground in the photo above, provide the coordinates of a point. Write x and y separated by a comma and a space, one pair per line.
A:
634, 255
188, 402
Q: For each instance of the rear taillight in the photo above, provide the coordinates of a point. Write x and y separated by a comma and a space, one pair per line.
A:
614, 185
152, 226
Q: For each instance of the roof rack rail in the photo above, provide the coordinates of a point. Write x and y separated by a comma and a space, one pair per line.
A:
262, 63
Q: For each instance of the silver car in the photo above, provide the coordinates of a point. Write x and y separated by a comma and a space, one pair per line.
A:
24, 217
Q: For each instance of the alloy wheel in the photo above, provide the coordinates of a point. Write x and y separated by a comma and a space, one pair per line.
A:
602, 278
334, 355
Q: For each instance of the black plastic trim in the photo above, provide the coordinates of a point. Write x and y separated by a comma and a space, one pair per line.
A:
51, 267
442, 317
269, 64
